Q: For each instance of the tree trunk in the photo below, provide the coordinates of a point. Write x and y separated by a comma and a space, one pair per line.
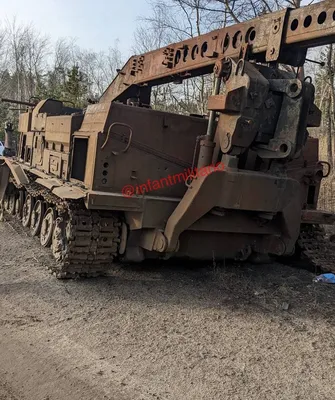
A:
330, 101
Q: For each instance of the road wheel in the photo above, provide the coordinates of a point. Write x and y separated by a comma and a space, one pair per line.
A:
27, 210
19, 204
6, 202
37, 217
47, 227
11, 204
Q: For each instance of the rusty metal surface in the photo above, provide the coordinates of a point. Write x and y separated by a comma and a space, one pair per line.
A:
69, 193
162, 144
279, 22
317, 217
306, 27
49, 183
16, 170
244, 101
232, 189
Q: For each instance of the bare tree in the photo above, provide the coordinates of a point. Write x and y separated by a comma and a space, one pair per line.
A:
30, 65
27, 50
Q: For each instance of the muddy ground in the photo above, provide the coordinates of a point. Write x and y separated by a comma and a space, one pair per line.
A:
160, 331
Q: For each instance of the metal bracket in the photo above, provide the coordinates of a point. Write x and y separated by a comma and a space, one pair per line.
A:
276, 35
153, 240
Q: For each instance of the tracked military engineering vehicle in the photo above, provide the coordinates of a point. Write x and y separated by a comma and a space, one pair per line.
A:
107, 182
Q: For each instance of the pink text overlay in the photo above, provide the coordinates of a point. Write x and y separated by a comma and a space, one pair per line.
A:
149, 186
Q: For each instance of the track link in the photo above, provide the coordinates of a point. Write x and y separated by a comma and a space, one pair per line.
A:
316, 248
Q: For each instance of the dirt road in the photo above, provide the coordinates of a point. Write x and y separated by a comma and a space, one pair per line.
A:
161, 332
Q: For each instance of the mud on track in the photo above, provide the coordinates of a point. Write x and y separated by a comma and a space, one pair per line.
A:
156, 331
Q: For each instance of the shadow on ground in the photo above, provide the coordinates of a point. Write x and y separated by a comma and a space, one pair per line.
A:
273, 289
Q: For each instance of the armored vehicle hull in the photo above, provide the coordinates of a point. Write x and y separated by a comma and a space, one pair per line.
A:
121, 181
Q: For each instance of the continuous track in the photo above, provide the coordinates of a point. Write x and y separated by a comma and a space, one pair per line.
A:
316, 248
84, 242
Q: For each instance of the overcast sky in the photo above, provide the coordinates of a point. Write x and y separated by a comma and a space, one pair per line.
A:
95, 23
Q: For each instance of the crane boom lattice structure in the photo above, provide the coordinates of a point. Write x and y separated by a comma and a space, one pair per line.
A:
282, 37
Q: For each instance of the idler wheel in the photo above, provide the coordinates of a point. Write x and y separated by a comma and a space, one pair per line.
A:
47, 227
37, 217
27, 210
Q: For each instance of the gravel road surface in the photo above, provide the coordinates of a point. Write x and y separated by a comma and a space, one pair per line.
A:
162, 331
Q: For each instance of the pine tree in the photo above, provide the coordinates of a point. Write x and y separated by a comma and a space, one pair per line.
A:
75, 87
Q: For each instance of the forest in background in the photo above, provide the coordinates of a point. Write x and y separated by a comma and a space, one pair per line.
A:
31, 65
